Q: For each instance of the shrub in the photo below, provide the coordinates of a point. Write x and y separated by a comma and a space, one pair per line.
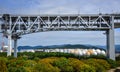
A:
118, 57
99, 64
16, 69
12, 69
4, 59
30, 55
118, 62
63, 64
87, 68
46, 64
68, 69
45, 67
36, 59
18, 62
10, 57
98, 56
104, 63
80, 66
3, 67
29, 63
3, 54
112, 63
49, 60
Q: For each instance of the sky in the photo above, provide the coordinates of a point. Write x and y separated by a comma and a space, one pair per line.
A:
59, 6
33, 7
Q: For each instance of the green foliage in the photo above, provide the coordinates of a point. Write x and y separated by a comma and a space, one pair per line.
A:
104, 63
4, 59
29, 63
97, 56
41, 67
45, 65
3, 67
87, 68
16, 62
118, 62
17, 69
68, 69
80, 66
12, 69
10, 57
36, 59
55, 62
63, 64
99, 64
30, 55
118, 57
112, 63
3, 54
75, 63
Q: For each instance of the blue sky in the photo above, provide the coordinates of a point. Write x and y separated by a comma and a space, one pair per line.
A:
62, 7
59, 6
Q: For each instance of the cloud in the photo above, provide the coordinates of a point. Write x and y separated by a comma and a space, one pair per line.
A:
62, 7
73, 6
56, 6
67, 37
63, 37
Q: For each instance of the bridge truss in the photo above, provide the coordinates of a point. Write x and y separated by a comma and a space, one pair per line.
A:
14, 26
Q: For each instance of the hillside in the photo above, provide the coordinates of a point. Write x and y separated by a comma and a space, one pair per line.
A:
117, 47
68, 46
60, 46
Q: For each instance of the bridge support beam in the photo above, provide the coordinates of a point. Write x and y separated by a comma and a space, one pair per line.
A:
110, 44
9, 50
15, 48
110, 41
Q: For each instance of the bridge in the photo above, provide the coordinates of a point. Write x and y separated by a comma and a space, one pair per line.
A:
14, 26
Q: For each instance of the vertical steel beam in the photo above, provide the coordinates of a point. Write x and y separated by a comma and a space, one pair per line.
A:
110, 41
15, 48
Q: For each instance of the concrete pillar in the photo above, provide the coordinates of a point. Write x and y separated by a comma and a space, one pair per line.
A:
110, 41
9, 45
15, 48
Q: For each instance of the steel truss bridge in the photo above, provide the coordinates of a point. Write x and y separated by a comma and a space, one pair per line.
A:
13, 26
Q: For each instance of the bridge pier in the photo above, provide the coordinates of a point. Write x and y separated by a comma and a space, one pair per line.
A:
15, 48
15, 38
110, 41
110, 44
9, 50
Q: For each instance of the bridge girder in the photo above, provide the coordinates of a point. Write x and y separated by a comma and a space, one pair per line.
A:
30, 24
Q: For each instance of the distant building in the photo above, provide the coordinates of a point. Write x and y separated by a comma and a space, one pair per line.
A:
27, 50
4, 49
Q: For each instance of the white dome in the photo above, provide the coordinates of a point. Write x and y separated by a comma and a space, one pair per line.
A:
94, 53
98, 51
103, 52
84, 52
